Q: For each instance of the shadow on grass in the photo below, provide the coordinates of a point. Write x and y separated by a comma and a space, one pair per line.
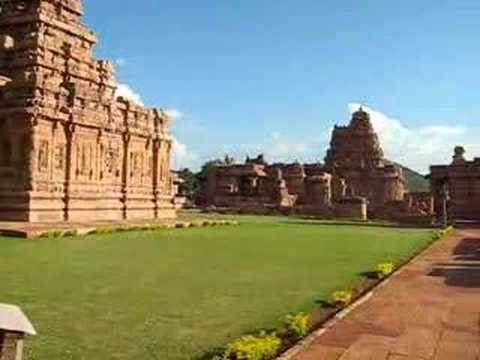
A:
371, 275
212, 354
324, 304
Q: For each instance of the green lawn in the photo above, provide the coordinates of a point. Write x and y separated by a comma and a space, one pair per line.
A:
174, 294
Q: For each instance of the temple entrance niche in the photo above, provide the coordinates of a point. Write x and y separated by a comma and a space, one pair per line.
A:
247, 185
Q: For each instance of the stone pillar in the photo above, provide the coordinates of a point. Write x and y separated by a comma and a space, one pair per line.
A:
125, 173
11, 346
14, 326
354, 208
69, 169
155, 175
319, 191
445, 196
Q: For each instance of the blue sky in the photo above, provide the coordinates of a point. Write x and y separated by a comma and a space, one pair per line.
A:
275, 75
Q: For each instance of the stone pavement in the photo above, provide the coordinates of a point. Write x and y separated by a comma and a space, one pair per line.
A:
430, 309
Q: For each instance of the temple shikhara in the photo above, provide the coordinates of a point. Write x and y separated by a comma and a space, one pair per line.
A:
69, 149
355, 156
355, 181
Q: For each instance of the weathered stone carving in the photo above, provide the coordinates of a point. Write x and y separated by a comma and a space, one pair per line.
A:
43, 156
58, 101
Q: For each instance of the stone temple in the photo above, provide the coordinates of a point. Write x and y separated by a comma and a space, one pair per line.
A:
355, 181
355, 155
69, 150
456, 187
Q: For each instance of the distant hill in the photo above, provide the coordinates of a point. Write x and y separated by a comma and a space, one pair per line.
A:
415, 181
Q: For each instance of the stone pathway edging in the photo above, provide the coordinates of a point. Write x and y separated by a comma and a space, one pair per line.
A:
308, 341
79, 230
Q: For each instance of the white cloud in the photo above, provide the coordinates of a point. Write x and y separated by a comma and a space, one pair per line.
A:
121, 62
125, 91
182, 157
285, 148
277, 148
417, 148
174, 114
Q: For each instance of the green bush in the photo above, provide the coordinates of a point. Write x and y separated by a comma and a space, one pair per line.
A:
384, 269
260, 347
343, 297
297, 325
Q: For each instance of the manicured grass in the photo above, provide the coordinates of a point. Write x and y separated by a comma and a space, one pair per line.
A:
174, 294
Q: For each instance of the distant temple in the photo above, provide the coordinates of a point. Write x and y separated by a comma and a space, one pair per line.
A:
69, 150
355, 180
356, 156
456, 187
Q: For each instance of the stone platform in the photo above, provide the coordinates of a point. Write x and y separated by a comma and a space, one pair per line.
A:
49, 230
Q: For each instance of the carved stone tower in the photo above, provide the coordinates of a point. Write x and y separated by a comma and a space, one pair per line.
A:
69, 150
356, 145
356, 160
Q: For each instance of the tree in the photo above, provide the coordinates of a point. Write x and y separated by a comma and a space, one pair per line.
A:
191, 183
203, 173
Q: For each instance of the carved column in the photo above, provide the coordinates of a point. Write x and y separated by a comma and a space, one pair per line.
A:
69, 134
30, 154
166, 168
155, 174
125, 173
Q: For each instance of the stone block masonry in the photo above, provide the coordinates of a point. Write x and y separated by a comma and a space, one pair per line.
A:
70, 150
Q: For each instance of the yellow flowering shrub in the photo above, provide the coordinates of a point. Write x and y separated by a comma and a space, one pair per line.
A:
343, 297
385, 269
297, 325
260, 347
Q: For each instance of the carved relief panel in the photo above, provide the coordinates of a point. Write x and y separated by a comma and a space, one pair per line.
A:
85, 148
43, 156
164, 164
138, 163
111, 159
59, 157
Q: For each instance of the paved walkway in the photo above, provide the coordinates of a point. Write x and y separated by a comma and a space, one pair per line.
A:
429, 310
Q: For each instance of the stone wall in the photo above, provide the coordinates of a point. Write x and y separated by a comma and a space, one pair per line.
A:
69, 150
11, 346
